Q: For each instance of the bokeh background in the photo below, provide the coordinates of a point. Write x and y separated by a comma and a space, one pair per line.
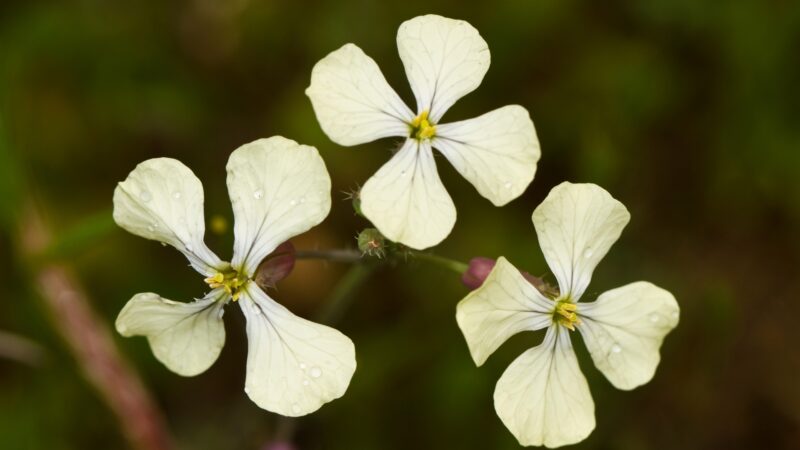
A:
686, 111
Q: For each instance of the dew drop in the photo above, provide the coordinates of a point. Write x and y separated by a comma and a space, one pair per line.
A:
293, 202
402, 173
296, 408
653, 317
588, 253
257, 311
315, 372
305, 382
145, 196
303, 366
220, 314
616, 348
508, 185
189, 248
176, 195
302, 199
258, 194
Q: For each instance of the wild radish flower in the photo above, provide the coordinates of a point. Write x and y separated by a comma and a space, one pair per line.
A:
543, 397
444, 60
278, 189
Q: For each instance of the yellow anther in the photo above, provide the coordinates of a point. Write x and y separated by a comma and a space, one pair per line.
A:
567, 314
230, 282
217, 278
421, 128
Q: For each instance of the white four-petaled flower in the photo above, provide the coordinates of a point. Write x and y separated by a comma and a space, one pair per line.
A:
543, 397
278, 189
444, 60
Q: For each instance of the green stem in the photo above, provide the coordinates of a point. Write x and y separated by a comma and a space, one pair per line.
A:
447, 263
344, 293
339, 301
336, 255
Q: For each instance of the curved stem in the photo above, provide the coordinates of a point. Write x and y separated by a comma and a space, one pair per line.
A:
354, 256
344, 293
339, 301
336, 255
456, 266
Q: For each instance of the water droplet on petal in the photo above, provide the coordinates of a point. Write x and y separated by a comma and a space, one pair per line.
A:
616, 348
189, 248
315, 372
145, 196
176, 195
293, 202
303, 366
257, 311
220, 314
508, 185
305, 382
653, 317
258, 194
588, 253
302, 199
296, 408
402, 173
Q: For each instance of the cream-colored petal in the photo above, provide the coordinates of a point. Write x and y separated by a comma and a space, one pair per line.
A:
163, 200
278, 189
294, 366
496, 152
352, 100
505, 304
576, 225
445, 59
185, 337
624, 329
543, 397
406, 200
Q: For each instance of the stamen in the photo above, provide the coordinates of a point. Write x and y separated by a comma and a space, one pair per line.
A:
566, 314
421, 128
229, 281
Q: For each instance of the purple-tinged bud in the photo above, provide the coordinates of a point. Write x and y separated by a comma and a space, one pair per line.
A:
477, 272
543, 286
276, 266
480, 268
278, 445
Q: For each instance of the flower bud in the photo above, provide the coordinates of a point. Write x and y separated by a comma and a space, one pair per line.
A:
356, 197
477, 272
278, 445
372, 243
480, 268
276, 266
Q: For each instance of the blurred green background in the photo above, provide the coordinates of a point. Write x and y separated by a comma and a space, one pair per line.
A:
686, 111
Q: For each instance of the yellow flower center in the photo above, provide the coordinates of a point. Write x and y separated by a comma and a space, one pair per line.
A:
421, 128
230, 280
565, 314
